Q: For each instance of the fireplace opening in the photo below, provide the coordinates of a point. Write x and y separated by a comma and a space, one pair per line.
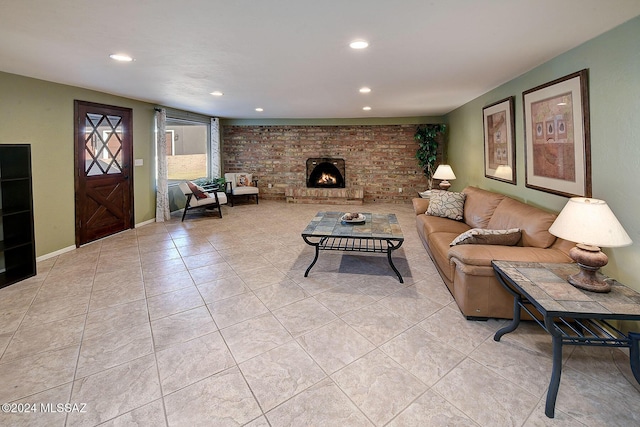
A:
323, 172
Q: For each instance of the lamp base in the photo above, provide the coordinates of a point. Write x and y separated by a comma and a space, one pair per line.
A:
589, 259
444, 185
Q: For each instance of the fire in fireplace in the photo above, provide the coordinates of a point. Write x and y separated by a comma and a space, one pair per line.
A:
324, 172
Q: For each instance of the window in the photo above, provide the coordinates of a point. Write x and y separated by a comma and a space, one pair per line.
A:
187, 148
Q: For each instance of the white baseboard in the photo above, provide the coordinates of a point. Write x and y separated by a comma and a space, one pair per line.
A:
147, 222
56, 253
70, 248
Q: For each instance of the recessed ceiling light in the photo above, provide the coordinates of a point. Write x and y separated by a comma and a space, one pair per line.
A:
359, 44
216, 93
259, 109
365, 89
366, 108
121, 57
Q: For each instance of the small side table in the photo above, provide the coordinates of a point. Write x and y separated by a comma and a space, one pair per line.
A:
570, 315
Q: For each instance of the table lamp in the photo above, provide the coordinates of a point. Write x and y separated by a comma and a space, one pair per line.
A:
444, 172
591, 224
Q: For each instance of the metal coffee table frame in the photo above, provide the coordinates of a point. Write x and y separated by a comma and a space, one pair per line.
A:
588, 326
380, 233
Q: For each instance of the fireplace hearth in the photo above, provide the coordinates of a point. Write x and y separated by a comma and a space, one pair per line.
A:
325, 172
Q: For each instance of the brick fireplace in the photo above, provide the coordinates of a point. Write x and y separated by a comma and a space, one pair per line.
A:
379, 159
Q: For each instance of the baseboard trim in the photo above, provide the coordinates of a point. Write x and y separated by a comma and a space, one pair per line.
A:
70, 248
56, 253
147, 222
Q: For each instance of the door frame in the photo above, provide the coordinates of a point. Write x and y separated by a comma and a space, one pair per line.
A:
79, 162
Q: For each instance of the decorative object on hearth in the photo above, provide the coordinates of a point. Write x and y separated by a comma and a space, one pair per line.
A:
445, 173
499, 141
428, 138
592, 224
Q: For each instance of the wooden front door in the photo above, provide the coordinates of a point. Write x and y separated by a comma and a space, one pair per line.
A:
103, 180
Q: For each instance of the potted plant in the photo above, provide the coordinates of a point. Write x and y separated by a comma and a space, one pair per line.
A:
207, 182
427, 137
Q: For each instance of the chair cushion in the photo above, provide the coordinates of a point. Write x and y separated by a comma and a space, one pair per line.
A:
239, 191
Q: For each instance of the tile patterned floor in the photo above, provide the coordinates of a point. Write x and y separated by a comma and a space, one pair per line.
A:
211, 322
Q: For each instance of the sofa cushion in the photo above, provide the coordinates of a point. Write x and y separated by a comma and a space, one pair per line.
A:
482, 236
482, 255
439, 245
479, 206
435, 224
533, 222
447, 204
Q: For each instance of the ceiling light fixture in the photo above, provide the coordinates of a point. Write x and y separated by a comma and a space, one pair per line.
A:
359, 44
366, 108
216, 93
121, 57
365, 89
259, 109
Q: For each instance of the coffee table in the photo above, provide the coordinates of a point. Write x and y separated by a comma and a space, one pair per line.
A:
380, 233
570, 315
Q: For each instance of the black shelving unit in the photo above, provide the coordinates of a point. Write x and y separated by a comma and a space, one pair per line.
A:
17, 244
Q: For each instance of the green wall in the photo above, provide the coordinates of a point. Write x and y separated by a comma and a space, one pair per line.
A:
614, 95
41, 113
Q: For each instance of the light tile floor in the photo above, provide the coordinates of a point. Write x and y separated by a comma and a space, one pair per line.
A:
211, 322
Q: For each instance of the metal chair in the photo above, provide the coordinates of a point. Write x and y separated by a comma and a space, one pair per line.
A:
202, 197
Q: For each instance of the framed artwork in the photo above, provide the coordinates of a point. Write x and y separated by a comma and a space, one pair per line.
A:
557, 136
499, 142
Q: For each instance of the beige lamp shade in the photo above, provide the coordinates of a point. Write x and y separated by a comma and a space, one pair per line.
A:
444, 172
590, 222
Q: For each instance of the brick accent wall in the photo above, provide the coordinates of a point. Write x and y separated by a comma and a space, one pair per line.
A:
379, 158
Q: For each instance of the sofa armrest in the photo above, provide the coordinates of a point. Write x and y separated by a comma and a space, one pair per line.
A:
420, 205
482, 255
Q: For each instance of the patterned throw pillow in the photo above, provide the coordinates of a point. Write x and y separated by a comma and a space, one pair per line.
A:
196, 191
480, 236
242, 180
446, 204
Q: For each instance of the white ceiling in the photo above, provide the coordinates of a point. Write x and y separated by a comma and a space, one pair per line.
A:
291, 57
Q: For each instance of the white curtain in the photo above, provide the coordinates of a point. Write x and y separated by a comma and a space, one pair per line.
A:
162, 189
216, 171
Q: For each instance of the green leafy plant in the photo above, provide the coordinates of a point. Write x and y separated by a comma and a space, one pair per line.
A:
427, 138
213, 181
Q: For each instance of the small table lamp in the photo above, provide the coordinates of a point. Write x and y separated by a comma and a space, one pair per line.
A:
591, 224
444, 172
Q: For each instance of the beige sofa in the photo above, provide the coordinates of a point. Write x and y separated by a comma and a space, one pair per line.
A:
466, 269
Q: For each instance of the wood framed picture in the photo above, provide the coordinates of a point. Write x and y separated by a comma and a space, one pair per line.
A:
557, 136
499, 142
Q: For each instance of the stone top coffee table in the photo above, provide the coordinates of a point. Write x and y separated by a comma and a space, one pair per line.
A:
379, 233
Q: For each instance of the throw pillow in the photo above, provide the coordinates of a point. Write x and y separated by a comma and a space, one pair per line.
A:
480, 236
243, 180
198, 194
446, 204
